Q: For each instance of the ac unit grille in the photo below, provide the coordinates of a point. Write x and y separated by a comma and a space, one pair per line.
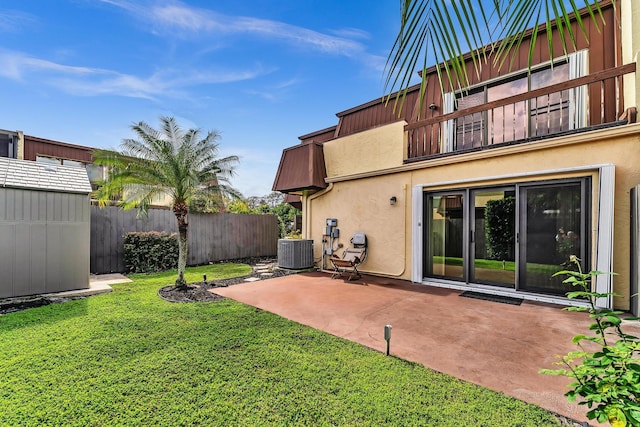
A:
295, 254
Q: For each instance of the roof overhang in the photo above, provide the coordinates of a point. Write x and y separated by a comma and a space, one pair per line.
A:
301, 168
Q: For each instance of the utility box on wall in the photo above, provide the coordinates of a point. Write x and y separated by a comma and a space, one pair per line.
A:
295, 254
45, 228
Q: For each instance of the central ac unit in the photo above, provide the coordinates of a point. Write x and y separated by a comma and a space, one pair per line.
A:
295, 254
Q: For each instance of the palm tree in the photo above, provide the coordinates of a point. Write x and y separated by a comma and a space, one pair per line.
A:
442, 31
168, 162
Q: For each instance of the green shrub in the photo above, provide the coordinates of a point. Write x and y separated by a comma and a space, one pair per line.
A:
606, 380
145, 252
500, 228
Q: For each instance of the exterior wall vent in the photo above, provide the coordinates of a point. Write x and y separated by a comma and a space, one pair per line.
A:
295, 254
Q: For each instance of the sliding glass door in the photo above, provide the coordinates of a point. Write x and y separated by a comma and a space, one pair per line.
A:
512, 237
553, 223
445, 235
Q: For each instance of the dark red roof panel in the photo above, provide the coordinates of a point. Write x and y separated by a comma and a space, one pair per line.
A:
322, 135
301, 168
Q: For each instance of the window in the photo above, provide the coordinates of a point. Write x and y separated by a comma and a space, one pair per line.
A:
539, 117
47, 160
95, 172
8, 145
74, 163
512, 237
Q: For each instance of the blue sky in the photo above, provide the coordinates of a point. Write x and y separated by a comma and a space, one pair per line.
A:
263, 72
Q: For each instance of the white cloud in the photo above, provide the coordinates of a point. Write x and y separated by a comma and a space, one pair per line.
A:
17, 65
276, 91
14, 21
352, 33
87, 81
256, 171
177, 18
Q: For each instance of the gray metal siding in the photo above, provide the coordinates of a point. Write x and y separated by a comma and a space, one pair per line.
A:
44, 244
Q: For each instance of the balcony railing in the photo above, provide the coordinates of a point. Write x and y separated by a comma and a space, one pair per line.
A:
576, 105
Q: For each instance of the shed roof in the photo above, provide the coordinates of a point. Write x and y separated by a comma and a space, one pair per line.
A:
16, 173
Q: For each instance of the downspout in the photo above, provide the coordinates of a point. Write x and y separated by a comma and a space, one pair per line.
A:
307, 216
307, 211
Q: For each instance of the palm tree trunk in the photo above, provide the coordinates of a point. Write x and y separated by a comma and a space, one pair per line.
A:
181, 210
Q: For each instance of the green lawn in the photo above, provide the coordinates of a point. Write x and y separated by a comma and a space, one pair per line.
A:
130, 358
543, 269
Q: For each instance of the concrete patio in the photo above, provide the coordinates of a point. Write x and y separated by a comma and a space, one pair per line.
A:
495, 345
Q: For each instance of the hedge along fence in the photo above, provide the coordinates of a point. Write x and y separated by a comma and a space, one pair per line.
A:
212, 237
146, 252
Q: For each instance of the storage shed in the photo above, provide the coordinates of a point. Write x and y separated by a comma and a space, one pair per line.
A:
44, 228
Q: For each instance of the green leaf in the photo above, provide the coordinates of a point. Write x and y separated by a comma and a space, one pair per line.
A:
576, 308
578, 338
634, 367
615, 320
634, 415
577, 294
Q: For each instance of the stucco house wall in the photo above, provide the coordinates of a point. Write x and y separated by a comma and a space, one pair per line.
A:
359, 193
419, 159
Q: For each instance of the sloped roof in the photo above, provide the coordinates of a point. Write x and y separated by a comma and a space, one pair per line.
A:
26, 174
301, 168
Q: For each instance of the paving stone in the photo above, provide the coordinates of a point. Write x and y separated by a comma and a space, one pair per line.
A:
251, 279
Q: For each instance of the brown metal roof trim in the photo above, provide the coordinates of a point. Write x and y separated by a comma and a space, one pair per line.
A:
378, 113
60, 143
301, 168
584, 13
412, 91
322, 135
294, 200
35, 146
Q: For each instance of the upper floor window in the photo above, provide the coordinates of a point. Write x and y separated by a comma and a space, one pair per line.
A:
48, 160
538, 117
8, 144
94, 172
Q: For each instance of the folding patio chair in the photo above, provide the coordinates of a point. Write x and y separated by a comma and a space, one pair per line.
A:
351, 258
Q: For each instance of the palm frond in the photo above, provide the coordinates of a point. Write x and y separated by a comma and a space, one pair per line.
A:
458, 35
164, 162
441, 31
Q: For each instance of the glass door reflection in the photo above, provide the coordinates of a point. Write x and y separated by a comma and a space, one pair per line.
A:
553, 231
446, 228
493, 237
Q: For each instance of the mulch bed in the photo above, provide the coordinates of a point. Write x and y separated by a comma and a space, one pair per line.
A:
10, 305
200, 291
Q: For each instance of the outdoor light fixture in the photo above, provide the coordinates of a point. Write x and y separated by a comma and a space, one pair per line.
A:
387, 336
433, 107
393, 200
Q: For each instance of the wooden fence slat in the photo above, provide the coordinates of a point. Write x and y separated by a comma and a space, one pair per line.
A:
212, 237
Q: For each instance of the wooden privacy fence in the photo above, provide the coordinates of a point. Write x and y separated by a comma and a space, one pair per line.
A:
212, 237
